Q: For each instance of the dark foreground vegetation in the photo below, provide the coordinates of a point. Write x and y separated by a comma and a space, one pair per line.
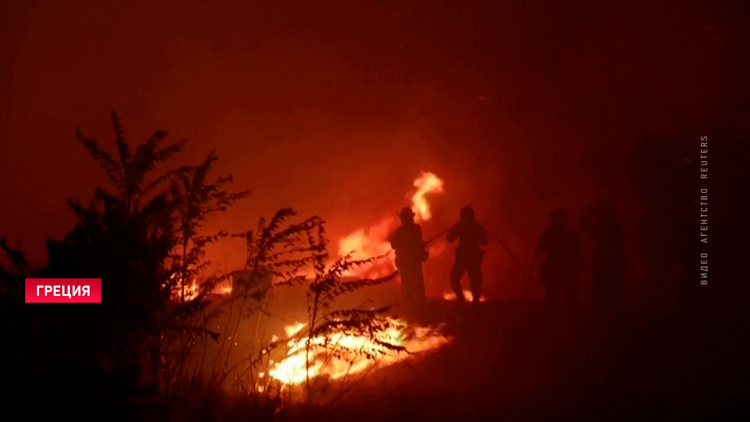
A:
162, 344
157, 350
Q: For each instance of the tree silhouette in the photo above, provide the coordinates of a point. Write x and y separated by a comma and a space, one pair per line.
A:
143, 240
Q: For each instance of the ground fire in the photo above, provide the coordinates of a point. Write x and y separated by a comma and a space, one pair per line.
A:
467, 296
342, 354
325, 361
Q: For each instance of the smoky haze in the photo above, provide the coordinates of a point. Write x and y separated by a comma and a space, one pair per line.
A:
334, 109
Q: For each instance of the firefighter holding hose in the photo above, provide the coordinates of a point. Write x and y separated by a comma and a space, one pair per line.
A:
471, 236
410, 254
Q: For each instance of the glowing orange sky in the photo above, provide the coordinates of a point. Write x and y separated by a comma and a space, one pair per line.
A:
333, 109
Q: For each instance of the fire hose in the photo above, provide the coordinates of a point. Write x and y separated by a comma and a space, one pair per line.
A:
512, 257
436, 236
507, 249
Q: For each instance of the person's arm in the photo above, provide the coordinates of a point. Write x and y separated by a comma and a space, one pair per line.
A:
483, 240
452, 234
541, 249
393, 239
542, 245
423, 254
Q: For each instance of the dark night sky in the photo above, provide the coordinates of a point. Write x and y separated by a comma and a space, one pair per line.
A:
334, 107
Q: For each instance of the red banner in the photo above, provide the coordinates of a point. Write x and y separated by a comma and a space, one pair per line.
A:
63, 290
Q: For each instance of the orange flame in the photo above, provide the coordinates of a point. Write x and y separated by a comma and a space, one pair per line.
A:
425, 183
292, 369
190, 292
373, 242
368, 243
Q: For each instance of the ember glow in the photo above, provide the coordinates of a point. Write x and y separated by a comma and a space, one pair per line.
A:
373, 242
187, 294
467, 296
192, 290
291, 370
223, 288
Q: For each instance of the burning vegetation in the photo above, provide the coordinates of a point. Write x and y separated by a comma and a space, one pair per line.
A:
184, 344
373, 242
578, 132
352, 354
200, 335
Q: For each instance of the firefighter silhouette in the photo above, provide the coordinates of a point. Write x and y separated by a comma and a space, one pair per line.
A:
410, 250
608, 266
564, 260
471, 235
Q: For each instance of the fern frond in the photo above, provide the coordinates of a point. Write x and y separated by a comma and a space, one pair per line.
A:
122, 147
164, 178
114, 170
145, 159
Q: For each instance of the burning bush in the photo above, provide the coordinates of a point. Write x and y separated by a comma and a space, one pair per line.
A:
163, 330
